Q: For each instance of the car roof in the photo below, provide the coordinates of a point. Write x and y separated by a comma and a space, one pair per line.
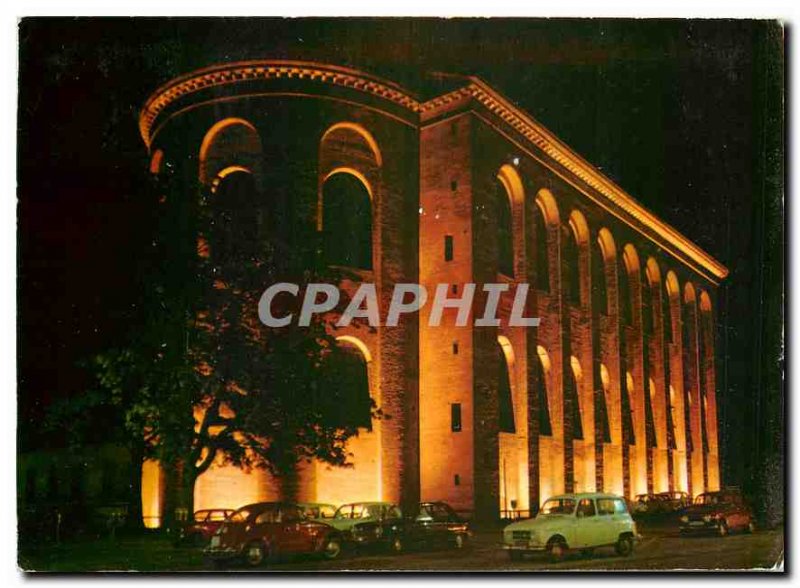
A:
579, 495
369, 503
262, 505
315, 504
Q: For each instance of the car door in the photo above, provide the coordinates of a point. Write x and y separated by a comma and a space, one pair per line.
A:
295, 536
610, 520
264, 527
589, 526
418, 526
443, 519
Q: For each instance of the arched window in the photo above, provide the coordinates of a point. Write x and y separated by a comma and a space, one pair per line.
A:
546, 217
348, 399
602, 404
706, 354
625, 305
230, 142
572, 267
346, 221
599, 286
233, 225
689, 331
505, 232
573, 390
542, 251
671, 306
504, 396
628, 270
627, 409
667, 318
647, 309
545, 426
650, 426
650, 292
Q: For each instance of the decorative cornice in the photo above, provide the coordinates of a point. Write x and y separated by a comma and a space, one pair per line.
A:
247, 71
475, 88
446, 99
582, 169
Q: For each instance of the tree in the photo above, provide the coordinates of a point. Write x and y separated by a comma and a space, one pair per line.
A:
208, 381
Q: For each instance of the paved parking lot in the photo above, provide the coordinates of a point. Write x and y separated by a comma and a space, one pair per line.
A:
661, 548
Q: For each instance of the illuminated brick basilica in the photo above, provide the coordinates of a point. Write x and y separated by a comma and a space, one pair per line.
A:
615, 390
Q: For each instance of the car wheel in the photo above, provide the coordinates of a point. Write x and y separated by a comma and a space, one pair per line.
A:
751, 527
459, 541
624, 546
722, 528
556, 550
397, 544
333, 548
255, 554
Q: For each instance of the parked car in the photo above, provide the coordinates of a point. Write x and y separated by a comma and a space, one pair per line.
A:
674, 501
573, 521
317, 511
203, 525
650, 504
369, 524
720, 512
433, 524
267, 530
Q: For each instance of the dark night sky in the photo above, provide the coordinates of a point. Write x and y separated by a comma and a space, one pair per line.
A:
684, 115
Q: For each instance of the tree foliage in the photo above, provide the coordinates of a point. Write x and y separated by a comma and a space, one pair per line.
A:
202, 379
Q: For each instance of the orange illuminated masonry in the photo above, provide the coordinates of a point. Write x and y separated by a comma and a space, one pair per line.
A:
452, 212
364, 304
169, 99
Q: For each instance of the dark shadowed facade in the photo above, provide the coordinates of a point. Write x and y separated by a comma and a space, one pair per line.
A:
453, 184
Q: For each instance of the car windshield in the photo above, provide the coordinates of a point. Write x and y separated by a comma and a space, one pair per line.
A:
241, 515
558, 506
709, 499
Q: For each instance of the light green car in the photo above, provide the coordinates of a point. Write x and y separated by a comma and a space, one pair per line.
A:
573, 521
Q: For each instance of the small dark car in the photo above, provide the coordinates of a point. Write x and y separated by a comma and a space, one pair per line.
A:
266, 530
435, 524
370, 524
720, 512
203, 525
674, 501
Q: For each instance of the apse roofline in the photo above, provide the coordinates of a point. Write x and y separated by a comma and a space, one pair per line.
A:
263, 69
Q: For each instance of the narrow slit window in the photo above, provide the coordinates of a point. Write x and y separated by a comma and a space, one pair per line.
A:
448, 247
455, 417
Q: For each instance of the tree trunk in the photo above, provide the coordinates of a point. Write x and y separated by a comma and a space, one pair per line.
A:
290, 483
179, 495
187, 498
